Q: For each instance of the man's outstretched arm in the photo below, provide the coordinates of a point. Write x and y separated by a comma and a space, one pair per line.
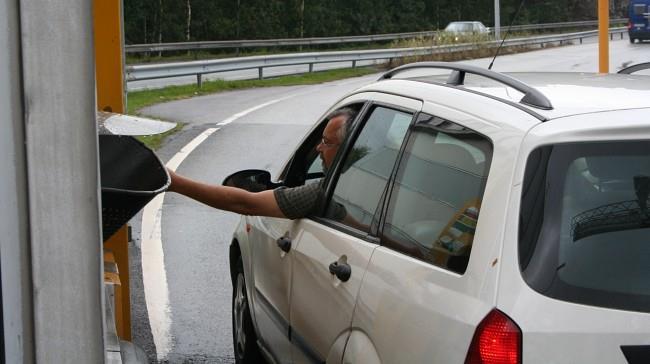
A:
227, 198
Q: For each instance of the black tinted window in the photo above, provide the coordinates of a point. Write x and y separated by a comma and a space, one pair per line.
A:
436, 199
585, 223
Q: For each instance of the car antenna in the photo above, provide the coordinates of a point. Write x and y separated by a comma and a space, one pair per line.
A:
521, 5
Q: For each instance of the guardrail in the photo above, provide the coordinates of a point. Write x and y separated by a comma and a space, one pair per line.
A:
564, 25
187, 46
199, 68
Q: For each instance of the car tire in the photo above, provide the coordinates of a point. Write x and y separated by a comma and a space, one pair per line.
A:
244, 339
632, 40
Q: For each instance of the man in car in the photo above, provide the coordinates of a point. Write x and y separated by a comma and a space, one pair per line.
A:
283, 202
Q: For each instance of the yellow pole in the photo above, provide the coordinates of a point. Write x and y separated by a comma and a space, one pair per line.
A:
109, 70
118, 244
603, 36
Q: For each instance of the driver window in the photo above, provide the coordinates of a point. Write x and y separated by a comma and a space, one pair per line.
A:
366, 169
306, 165
315, 170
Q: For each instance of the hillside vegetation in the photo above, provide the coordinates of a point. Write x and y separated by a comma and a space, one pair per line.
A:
162, 21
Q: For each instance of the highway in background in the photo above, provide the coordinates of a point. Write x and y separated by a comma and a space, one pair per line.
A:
264, 126
589, 46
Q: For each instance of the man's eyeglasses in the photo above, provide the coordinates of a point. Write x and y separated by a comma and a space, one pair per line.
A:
327, 144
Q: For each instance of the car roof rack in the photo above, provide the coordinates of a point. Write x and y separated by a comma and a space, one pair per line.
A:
532, 96
634, 68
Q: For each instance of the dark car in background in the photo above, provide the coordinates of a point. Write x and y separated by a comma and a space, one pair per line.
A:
639, 20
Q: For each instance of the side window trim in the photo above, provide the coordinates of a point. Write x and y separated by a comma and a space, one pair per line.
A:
391, 183
332, 176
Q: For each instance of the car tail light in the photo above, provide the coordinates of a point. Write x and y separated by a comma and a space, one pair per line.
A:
629, 24
497, 340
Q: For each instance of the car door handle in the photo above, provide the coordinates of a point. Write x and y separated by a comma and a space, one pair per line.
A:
284, 243
342, 271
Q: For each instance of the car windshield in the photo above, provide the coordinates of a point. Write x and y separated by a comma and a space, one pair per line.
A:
459, 27
585, 222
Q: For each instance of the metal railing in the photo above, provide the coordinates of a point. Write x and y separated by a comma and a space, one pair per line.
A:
188, 46
199, 68
563, 25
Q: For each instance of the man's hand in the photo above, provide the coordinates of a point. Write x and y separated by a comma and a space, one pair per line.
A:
174, 181
226, 198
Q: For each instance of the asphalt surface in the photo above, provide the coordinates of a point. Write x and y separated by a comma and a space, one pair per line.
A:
196, 237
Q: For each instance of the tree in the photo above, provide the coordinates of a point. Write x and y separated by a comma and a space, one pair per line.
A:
147, 21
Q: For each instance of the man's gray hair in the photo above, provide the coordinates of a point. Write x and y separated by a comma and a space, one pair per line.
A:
349, 114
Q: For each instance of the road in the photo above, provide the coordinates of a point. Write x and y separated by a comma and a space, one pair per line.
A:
262, 126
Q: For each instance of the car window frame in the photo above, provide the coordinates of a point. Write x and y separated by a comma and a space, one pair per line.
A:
295, 172
401, 158
331, 179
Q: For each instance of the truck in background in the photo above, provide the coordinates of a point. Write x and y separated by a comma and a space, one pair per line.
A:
639, 20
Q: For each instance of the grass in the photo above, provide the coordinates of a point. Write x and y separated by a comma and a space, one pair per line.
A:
482, 51
139, 99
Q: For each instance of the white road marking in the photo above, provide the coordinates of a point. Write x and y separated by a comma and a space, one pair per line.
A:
248, 111
154, 276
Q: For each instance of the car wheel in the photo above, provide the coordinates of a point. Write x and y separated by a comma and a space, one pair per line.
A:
244, 339
632, 40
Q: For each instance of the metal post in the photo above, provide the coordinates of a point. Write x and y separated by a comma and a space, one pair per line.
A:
16, 299
354, 64
199, 80
311, 67
108, 55
603, 30
58, 76
497, 20
109, 64
260, 73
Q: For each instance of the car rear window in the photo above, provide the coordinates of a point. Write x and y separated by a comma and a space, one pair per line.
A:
584, 232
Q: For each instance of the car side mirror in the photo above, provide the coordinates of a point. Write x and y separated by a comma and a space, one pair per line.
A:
252, 180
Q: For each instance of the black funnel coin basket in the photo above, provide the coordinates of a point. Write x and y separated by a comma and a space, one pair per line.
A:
132, 175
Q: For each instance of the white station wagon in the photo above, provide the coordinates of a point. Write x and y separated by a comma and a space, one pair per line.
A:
505, 219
